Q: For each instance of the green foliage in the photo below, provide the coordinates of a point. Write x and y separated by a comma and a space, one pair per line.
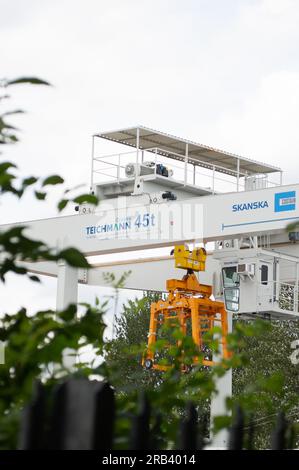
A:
16, 247
36, 344
52, 180
270, 381
74, 258
168, 392
264, 380
35, 349
116, 283
8, 132
123, 353
22, 80
87, 198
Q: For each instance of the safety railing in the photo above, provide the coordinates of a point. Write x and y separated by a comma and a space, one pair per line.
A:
283, 295
213, 178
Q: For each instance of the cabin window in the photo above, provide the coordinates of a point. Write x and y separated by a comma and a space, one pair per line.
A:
264, 274
231, 282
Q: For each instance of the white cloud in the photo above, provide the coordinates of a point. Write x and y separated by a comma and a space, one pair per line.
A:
266, 127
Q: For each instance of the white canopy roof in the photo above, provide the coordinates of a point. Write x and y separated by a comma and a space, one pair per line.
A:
175, 148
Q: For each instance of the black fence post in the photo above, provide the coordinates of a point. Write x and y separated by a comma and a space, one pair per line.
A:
103, 426
250, 435
236, 432
57, 423
74, 405
32, 433
279, 433
188, 430
140, 433
156, 438
291, 438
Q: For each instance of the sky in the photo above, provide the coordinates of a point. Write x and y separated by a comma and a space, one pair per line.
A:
223, 73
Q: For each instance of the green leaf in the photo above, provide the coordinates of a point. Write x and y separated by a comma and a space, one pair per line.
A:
31, 80
40, 195
74, 258
69, 314
29, 181
221, 422
89, 198
62, 204
34, 278
5, 165
52, 180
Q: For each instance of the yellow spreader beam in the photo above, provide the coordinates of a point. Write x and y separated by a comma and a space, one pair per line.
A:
185, 259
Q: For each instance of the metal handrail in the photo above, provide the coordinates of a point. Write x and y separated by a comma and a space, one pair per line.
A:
196, 161
211, 177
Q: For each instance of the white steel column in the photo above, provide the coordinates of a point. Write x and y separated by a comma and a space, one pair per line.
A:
186, 164
67, 286
213, 182
92, 163
218, 401
137, 147
67, 293
238, 173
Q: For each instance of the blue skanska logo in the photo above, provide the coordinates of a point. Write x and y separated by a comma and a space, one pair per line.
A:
249, 206
285, 201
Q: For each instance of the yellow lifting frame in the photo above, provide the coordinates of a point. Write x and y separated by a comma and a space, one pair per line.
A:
187, 300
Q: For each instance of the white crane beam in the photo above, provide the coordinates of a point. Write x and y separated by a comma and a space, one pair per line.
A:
208, 218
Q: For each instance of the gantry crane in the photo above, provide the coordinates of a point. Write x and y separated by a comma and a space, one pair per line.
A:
188, 303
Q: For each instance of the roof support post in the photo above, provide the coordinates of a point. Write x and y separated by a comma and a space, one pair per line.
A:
194, 174
118, 168
238, 173
92, 163
137, 148
213, 182
186, 164
280, 182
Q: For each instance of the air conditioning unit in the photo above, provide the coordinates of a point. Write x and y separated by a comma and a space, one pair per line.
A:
256, 182
132, 170
147, 168
246, 269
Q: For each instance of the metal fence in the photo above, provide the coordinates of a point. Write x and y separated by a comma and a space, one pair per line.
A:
81, 414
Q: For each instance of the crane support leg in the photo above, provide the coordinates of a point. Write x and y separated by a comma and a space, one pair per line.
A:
67, 293
67, 286
218, 401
